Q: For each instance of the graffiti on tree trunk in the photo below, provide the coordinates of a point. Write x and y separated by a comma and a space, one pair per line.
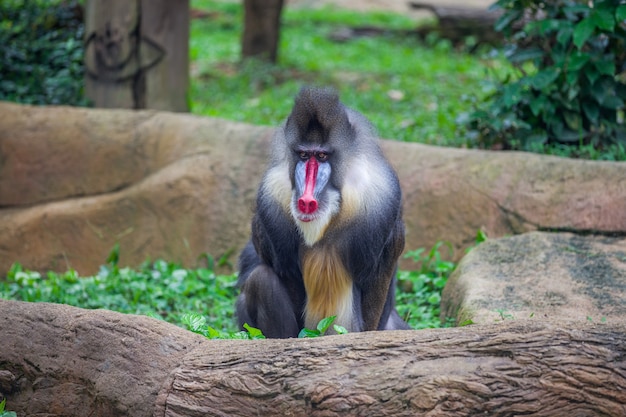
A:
117, 52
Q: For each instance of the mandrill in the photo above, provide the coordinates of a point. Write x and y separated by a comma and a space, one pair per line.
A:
327, 231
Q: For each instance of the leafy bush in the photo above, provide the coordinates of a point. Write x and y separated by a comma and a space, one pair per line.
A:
570, 87
201, 301
418, 297
41, 60
158, 289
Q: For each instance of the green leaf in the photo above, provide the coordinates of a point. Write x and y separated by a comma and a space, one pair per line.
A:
620, 13
304, 333
582, 31
340, 329
4, 413
577, 60
591, 110
212, 333
512, 94
528, 54
114, 256
254, 332
598, 90
481, 236
564, 35
546, 26
537, 104
467, 322
605, 66
544, 78
325, 323
507, 19
434, 299
603, 19
573, 90
604, 92
194, 322
612, 102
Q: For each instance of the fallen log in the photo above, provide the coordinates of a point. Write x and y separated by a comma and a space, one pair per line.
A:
60, 360
457, 23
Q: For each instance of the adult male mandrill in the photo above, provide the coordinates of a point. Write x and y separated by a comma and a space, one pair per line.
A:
328, 230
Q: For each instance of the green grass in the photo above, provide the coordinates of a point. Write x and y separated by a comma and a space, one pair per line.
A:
434, 79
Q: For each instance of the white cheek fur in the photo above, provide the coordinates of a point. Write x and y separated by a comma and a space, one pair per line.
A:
277, 184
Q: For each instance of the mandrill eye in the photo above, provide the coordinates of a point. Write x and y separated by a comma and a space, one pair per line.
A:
303, 155
322, 156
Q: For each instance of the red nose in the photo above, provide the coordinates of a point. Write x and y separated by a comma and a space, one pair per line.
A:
307, 204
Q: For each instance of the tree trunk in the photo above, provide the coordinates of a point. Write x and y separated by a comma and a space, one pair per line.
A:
261, 29
60, 360
137, 53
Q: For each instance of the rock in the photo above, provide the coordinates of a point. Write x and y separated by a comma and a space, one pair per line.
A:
75, 181
540, 276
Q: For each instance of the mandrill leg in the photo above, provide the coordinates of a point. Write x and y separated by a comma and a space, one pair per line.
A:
264, 303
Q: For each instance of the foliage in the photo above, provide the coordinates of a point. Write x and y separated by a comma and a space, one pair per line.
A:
198, 324
6, 413
192, 298
570, 84
321, 328
158, 289
419, 297
41, 61
407, 87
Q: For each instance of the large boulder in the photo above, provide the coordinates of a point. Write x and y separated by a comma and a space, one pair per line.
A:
75, 181
540, 276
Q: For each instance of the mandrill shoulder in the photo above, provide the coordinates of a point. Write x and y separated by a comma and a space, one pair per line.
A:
370, 188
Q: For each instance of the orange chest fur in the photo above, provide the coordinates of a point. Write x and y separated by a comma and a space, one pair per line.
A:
328, 287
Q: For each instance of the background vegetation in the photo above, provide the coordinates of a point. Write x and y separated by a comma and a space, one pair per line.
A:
558, 86
569, 87
41, 59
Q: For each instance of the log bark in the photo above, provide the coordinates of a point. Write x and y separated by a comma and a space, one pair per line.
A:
457, 23
60, 360
261, 31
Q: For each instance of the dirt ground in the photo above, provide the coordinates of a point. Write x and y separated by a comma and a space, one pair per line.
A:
398, 6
